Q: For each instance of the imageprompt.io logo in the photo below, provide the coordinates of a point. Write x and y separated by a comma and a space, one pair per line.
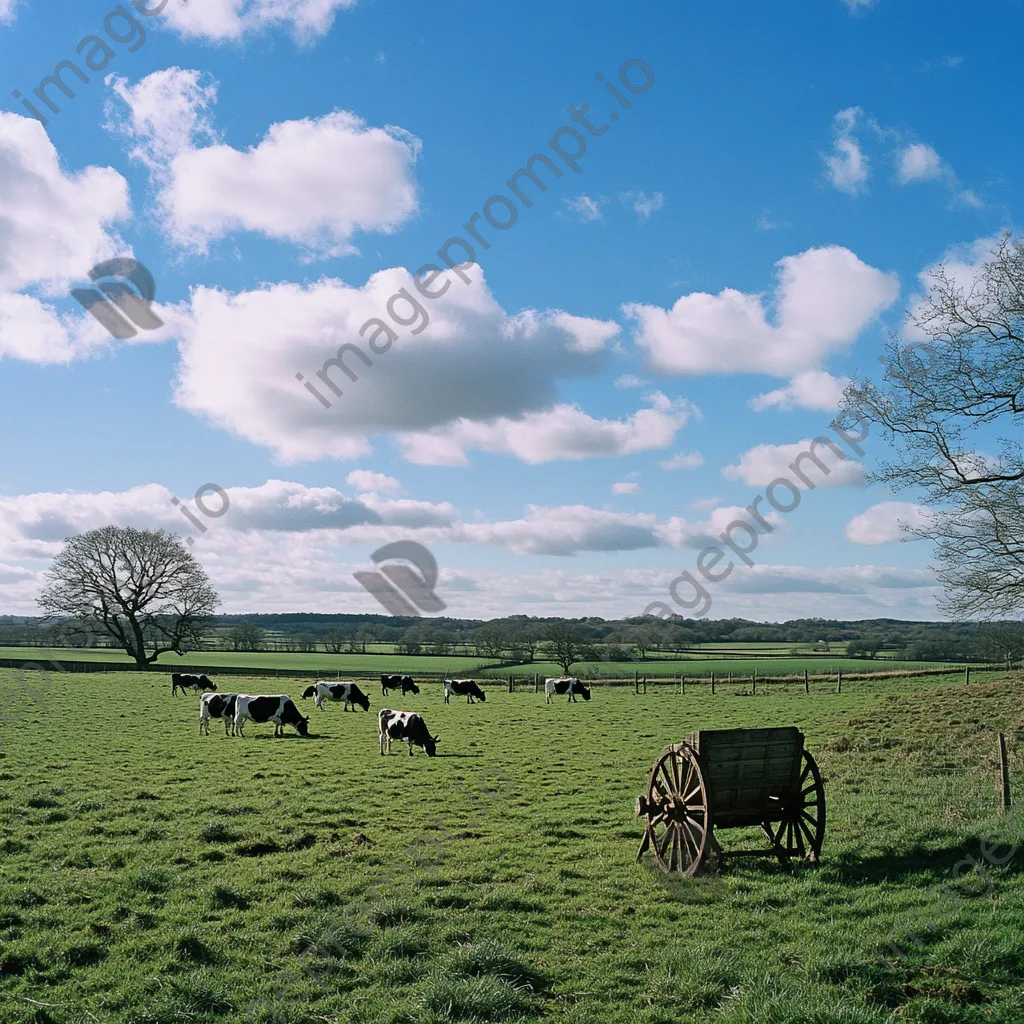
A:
120, 308
397, 587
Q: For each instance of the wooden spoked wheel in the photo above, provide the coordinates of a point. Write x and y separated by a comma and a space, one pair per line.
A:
803, 831
676, 804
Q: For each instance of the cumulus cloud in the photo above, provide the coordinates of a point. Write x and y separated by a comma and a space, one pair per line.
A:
626, 487
56, 226
917, 161
585, 208
314, 182
886, 522
563, 432
764, 463
240, 353
823, 299
815, 389
853, 6
229, 20
847, 166
7, 8
364, 481
630, 380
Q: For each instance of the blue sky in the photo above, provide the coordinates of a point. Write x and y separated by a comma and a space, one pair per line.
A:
751, 226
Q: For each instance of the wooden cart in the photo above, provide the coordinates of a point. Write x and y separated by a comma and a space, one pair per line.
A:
732, 778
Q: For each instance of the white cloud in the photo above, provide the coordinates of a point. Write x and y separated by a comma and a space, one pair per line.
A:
814, 389
315, 182
683, 460
853, 6
626, 487
230, 20
886, 522
642, 203
55, 226
919, 162
365, 481
847, 166
764, 463
767, 222
240, 353
586, 208
591, 335
563, 432
823, 299
7, 8
283, 546
629, 380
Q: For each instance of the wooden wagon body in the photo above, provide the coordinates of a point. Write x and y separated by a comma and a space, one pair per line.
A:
732, 778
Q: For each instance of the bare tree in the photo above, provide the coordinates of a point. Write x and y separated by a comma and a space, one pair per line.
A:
247, 636
953, 406
565, 645
141, 588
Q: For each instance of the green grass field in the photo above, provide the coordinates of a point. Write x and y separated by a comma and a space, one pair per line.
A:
153, 876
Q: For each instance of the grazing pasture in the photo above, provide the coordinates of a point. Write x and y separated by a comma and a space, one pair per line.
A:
150, 875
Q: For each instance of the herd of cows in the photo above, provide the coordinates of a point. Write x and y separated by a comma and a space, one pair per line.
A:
235, 709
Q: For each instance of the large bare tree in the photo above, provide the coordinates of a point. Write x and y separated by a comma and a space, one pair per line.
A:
952, 404
565, 645
140, 587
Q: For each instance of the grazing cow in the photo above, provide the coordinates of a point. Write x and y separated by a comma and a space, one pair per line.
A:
395, 682
463, 686
348, 692
405, 725
566, 684
278, 709
186, 682
217, 705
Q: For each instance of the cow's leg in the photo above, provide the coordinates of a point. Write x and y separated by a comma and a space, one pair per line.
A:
410, 748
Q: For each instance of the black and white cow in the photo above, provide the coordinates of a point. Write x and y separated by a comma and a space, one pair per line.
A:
279, 709
217, 705
347, 692
404, 683
565, 684
186, 682
405, 725
463, 686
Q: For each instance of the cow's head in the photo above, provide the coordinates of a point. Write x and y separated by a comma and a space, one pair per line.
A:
302, 725
584, 691
362, 700
480, 693
413, 688
309, 691
430, 745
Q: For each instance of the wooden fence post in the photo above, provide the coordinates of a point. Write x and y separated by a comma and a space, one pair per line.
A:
682, 685
839, 688
645, 684
712, 684
967, 674
511, 684
807, 688
636, 684
1004, 768
753, 682
536, 682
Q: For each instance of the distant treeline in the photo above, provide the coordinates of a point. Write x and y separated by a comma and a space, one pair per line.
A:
522, 638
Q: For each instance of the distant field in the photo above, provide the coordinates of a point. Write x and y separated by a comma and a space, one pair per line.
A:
352, 664
721, 667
